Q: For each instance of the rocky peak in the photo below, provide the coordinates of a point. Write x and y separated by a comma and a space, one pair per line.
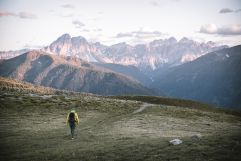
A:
119, 45
172, 40
155, 53
78, 40
63, 38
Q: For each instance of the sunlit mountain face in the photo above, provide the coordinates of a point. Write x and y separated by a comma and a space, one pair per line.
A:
158, 53
69, 74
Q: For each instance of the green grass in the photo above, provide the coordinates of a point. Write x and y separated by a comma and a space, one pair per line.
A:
178, 103
33, 128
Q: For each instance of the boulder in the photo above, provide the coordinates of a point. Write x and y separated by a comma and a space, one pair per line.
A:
175, 141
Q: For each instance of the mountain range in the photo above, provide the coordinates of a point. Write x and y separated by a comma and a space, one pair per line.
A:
147, 57
12, 53
144, 56
185, 69
69, 74
214, 78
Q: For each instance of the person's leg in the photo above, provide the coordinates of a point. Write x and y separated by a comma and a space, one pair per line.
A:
72, 128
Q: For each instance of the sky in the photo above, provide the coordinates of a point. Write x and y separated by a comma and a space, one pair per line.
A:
37, 23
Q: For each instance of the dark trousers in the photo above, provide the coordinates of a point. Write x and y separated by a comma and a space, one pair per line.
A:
72, 128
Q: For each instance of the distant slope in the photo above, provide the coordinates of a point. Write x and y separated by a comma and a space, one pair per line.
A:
7, 84
11, 54
68, 74
128, 70
214, 78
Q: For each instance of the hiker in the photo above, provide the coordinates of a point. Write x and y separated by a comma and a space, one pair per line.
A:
72, 120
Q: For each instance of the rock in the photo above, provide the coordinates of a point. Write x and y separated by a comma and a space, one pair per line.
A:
175, 141
196, 136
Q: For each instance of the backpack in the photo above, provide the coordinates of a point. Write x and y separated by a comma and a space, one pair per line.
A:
72, 117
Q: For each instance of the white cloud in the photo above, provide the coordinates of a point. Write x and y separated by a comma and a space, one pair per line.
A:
155, 3
147, 34
78, 24
86, 30
140, 34
228, 10
23, 15
238, 10
120, 35
230, 30
67, 6
6, 13
97, 30
31, 46
27, 15
224, 30
209, 29
225, 10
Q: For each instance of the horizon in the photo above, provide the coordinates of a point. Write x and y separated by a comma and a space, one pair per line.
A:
142, 43
109, 22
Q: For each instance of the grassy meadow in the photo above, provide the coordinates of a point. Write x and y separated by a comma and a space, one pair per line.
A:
33, 128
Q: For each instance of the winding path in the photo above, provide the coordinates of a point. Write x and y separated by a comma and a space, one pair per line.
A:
142, 107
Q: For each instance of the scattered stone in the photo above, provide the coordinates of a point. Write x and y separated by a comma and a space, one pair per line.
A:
33, 95
67, 98
196, 136
175, 141
46, 96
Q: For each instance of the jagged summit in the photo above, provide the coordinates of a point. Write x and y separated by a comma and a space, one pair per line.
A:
144, 56
65, 36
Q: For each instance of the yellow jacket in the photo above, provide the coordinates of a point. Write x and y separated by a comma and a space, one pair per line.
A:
75, 116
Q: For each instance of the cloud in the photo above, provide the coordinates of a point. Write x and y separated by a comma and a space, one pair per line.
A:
147, 34
23, 15
225, 10
67, 15
238, 10
86, 30
154, 3
225, 30
141, 34
63, 15
78, 24
67, 6
157, 3
228, 10
31, 46
100, 13
230, 30
97, 30
6, 13
27, 15
209, 29
120, 35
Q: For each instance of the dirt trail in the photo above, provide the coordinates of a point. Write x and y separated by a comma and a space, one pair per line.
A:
142, 107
